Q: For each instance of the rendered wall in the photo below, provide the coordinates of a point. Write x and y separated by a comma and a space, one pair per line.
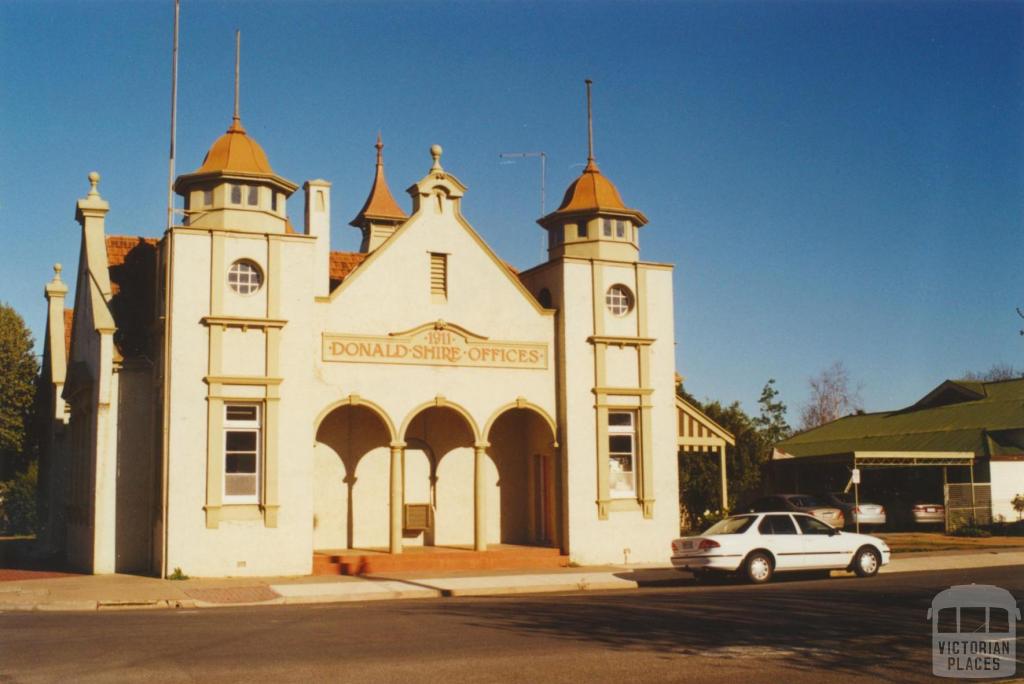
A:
136, 470
1007, 479
243, 542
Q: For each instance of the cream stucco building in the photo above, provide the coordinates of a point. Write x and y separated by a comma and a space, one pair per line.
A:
234, 396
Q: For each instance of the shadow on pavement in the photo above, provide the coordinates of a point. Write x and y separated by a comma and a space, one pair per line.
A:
832, 626
19, 560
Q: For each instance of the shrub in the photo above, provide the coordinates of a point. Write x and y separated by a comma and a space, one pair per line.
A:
177, 575
970, 531
18, 513
1008, 529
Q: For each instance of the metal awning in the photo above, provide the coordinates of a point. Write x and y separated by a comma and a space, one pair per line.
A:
896, 459
885, 459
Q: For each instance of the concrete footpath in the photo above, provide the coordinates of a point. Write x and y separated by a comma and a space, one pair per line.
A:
22, 590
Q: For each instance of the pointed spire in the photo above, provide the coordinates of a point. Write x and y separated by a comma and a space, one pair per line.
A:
592, 193
236, 120
380, 203
591, 164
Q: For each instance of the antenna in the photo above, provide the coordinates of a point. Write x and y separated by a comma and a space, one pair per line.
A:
543, 175
238, 59
590, 127
174, 116
543, 170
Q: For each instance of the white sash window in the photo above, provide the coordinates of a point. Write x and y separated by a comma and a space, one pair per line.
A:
243, 440
622, 454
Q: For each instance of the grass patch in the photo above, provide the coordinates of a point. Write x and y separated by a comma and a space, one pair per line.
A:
177, 575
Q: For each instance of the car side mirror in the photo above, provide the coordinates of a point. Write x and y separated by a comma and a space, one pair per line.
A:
833, 532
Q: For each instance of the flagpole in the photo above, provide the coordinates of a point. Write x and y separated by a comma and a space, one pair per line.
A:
174, 117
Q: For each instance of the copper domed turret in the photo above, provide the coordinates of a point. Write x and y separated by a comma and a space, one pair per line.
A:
593, 221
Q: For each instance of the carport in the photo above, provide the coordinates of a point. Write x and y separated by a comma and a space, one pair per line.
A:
979, 508
972, 431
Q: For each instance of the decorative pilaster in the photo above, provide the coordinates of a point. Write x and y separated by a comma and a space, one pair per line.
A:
397, 496
480, 496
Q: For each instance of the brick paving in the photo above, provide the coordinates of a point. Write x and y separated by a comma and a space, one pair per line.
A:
254, 594
13, 575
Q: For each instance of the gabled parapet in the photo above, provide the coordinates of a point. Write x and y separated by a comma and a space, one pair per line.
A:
438, 192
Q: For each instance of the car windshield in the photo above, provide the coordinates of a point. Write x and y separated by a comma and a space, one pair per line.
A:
840, 496
805, 502
736, 525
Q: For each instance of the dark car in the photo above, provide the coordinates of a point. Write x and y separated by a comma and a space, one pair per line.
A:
798, 503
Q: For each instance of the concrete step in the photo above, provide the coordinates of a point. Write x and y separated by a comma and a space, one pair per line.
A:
433, 558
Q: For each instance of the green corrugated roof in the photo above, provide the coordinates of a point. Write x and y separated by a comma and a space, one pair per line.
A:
986, 426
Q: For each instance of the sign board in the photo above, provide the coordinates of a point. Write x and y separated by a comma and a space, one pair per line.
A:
855, 476
434, 344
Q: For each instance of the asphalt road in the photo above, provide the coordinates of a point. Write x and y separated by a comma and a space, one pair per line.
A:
832, 630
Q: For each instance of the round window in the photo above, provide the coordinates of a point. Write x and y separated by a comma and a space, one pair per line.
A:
619, 300
245, 277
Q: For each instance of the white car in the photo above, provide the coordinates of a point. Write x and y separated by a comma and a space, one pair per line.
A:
760, 544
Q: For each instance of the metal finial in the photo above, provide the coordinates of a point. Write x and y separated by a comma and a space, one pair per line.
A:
94, 180
380, 150
238, 59
590, 127
435, 152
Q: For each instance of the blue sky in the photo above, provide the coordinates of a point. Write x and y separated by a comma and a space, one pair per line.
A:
833, 180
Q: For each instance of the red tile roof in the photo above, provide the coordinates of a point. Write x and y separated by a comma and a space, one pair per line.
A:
118, 248
132, 264
343, 263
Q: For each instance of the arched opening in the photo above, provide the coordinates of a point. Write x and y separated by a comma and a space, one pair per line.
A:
439, 471
351, 471
525, 508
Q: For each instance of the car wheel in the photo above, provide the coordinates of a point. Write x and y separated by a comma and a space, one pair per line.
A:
866, 562
758, 567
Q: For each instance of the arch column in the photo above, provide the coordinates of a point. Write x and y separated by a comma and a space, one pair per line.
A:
480, 496
397, 496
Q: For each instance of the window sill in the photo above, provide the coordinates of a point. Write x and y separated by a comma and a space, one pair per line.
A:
240, 512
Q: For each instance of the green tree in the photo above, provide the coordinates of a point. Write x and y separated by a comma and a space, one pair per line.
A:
771, 422
18, 511
18, 369
746, 464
